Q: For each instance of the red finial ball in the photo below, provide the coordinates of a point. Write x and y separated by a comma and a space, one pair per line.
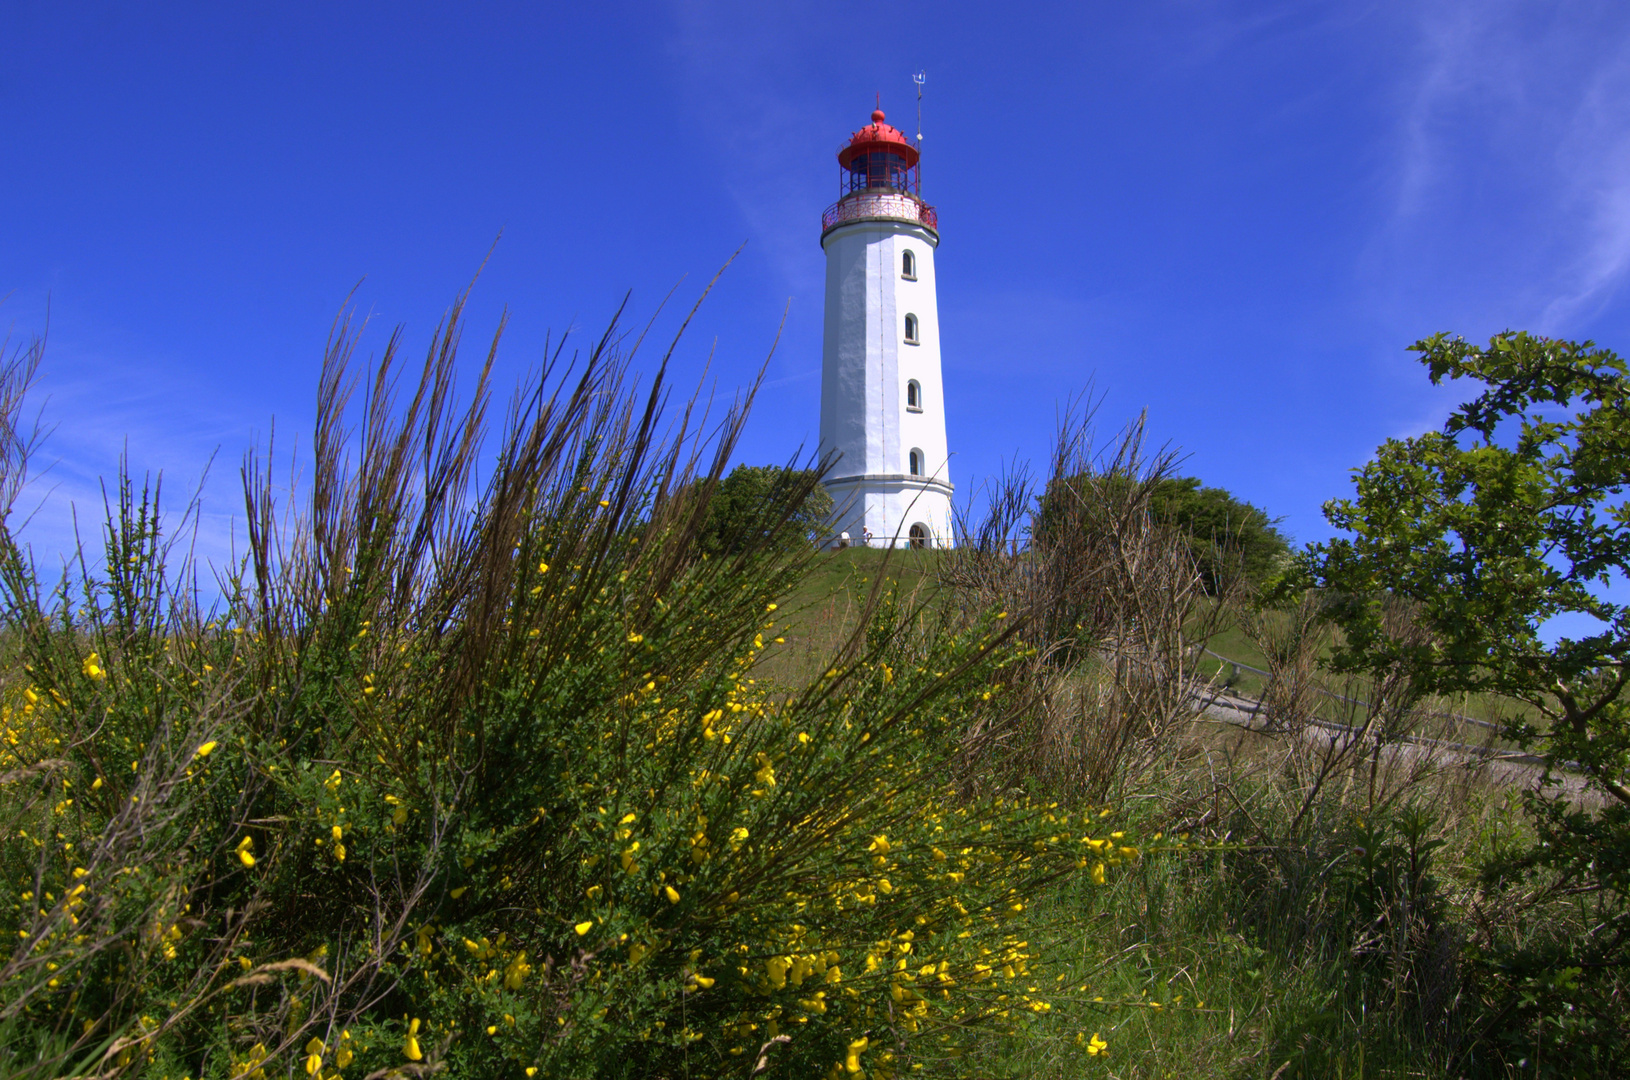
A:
877, 116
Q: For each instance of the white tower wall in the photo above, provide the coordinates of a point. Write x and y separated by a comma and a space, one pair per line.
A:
867, 363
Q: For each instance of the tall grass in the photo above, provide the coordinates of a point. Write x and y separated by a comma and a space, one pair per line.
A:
485, 764
1118, 613
471, 769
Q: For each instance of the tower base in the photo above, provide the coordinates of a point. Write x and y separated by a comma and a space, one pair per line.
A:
883, 511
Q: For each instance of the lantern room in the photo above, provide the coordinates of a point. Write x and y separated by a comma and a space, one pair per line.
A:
878, 157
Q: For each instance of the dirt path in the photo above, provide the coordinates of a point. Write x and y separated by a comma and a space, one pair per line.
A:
1413, 752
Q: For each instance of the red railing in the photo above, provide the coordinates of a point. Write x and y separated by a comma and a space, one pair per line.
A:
879, 205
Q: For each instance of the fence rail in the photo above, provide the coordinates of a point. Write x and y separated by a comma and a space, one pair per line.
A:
1470, 721
873, 206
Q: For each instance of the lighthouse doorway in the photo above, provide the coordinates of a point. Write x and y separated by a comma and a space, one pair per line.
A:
919, 535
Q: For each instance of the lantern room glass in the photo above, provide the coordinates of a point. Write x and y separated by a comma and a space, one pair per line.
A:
879, 170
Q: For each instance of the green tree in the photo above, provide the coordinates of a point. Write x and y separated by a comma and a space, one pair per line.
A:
1510, 516
751, 502
1229, 537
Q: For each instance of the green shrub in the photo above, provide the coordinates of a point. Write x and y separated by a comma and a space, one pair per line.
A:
1228, 538
750, 507
482, 778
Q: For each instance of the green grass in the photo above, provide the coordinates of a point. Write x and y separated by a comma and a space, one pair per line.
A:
817, 616
1236, 957
1234, 644
1237, 651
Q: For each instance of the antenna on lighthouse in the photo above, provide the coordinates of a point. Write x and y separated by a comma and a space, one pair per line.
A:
920, 78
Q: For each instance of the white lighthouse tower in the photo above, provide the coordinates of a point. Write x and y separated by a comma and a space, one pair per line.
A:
882, 399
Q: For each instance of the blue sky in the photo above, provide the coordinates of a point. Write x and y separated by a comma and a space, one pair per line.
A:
1233, 215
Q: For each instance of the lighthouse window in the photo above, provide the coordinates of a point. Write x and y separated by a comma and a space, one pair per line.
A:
914, 396
916, 463
908, 266
911, 329
919, 535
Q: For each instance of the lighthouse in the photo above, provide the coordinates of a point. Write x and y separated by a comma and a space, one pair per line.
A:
882, 398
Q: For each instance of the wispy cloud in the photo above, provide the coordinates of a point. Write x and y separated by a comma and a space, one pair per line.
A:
1595, 159
744, 76
139, 422
1513, 129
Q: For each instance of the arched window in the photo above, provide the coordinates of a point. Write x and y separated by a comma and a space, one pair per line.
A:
916, 462
908, 265
919, 535
911, 329
914, 396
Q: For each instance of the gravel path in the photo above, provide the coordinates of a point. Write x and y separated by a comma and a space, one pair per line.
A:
1508, 767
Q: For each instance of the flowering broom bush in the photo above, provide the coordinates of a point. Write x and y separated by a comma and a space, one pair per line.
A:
477, 775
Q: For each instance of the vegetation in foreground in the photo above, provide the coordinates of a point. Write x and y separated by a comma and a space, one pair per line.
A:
562, 772
483, 779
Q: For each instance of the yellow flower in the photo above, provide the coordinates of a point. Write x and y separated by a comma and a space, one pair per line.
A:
703, 982
1098, 873
852, 1061
765, 773
879, 845
671, 893
458, 893
206, 750
584, 927
343, 1056
314, 1057
246, 851
1097, 1045
635, 639
410, 1048
516, 972
93, 669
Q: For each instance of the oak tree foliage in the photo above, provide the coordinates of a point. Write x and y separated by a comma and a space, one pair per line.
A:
1508, 523
1510, 516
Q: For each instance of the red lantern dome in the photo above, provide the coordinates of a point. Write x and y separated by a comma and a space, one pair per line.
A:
879, 179
878, 138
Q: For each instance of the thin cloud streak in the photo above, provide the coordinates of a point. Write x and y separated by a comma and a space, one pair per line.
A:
1509, 98
1596, 155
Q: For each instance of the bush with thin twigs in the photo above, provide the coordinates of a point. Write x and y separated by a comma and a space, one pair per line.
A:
475, 774
1119, 614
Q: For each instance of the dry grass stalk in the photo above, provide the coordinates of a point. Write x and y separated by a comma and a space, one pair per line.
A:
1111, 601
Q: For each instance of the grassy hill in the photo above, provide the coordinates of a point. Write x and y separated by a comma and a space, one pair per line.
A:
823, 610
